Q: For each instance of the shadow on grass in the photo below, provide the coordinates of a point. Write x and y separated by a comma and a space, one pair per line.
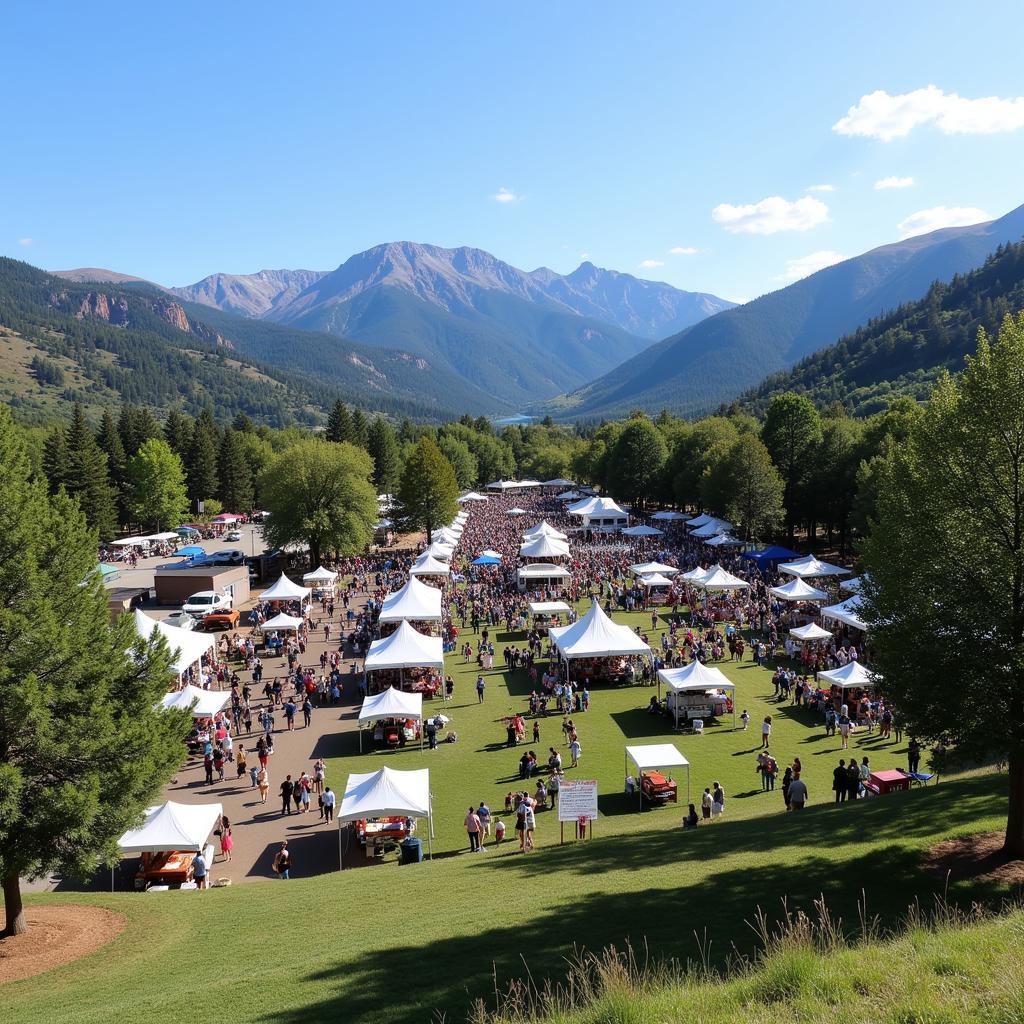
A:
407, 981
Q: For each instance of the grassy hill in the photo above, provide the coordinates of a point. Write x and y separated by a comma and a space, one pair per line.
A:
903, 352
397, 943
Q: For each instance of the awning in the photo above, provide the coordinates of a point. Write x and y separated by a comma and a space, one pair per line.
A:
596, 636
289, 623
851, 674
201, 703
655, 580
717, 578
407, 647
427, 565
798, 590
187, 646
642, 531
646, 568
285, 590
320, 576
811, 632
415, 601
668, 516
172, 826
809, 567
549, 608
847, 612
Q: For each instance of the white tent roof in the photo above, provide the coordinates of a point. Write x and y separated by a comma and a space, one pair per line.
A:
718, 579
491, 553
646, 568
166, 535
668, 516
187, 646
851, 674
596, 636
515, 511
549, 608
543, 570
559, 482
854, 585
391, 703
130, 542
808, 567
695, 575
724, 540
386, 792
285, 590
544, 547
702, 520
695, 676
597, 507
656, 579
461, 516
711, 529
656, 755
797, 590
427, 565
407, 647
812, 631
202, 703
446, 535
473, 496
439, 550
415, 601
642, 531
568, 495
320, 575
282, 621
172, 826
847, 612
544, 529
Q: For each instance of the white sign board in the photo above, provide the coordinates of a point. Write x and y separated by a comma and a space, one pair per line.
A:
577, 798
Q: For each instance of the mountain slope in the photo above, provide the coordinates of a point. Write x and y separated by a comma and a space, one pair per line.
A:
711, 362
249, 294
105, 276
904, 352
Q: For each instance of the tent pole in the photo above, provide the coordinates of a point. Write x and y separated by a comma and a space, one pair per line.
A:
341, 855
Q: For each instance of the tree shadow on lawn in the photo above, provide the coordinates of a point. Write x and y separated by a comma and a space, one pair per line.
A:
408, 982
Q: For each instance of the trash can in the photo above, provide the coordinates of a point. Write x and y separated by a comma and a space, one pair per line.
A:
410, 850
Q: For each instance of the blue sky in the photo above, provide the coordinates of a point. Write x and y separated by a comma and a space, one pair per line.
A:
175, 140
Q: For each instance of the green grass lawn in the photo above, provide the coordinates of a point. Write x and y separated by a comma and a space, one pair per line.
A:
396, 943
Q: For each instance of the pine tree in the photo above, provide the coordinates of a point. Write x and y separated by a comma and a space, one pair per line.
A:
242, 423
201, 466
89, 477
339, 423
382, 444
359, 429
135, 426
157, 485
178, 433
236, 483
109, 441
55, 458
85, 747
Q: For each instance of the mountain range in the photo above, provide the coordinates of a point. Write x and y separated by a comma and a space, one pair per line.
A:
710, 363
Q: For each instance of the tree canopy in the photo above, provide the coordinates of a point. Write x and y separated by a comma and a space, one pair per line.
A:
428, 492
156, 480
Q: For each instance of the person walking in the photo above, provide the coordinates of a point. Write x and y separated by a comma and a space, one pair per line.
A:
787, 781
329, 801
240, 760
483, 812
199, 870
839, 781
574, 752
227, 843
283, 861
480, 689
717, 800
307, 712
766, 731
472, 823
797, 793
531, 823
263, 782
286, 795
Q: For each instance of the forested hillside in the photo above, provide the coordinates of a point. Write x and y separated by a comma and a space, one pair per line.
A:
903, 352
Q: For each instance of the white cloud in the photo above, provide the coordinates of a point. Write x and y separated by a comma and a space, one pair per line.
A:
584, 255
683, 250
893, 182
651, 264
810, 264
771, 215
505, 195
923, 221
25, 242
820, 188
881, 116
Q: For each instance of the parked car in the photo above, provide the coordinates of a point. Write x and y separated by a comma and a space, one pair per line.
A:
234, 535
230, 557
182, 620
226, 619
206, 601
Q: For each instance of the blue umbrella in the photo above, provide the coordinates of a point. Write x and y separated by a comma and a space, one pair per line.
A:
486, 560
191, 550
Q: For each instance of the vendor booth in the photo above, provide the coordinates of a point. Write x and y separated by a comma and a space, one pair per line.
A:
398, 716
667, 516
427, 565
647, 568
656, 588
798, 590
548, 609
415, 602
418, 660
602, 515
642, 531
767, 558
543, 576
168, 841
698, 691
702, 520
851, 676
712, 528
847, 612
280, 623
201, 703
695, 576
383, 807
811, 633
544, 529
595, 638
716, 578
187, 646
652, 785
323, 581
810, 567
544, 549
472, 496
286, 590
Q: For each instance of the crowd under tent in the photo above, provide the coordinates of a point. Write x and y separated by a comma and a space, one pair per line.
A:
811, 633
427, 565
642, 531
655, 579
282, 623
696, 677
201, 703
473, 496
387, 793
718, 578
415, 602
391, 703
766, 558
406, 648
846, 612
286, 590
596, 636
851, 675
798, 590
646, 568
548, 608
668, 516
810, 567
656, 755
544, 529
543, 576
544, 548
695, 576
187, 646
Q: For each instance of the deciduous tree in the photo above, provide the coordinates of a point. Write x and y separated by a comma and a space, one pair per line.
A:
156, 484
428, 492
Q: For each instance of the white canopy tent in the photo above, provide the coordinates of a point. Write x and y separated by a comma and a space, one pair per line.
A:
282, 623
695, 575
387, 793
655, 579
407, 647
491, 553
544, 529
439, 550
810, 567
427, 565
515, 511
201, 703
798, 590
187, 646
172, 826
850, 675
392, 703
646, 568
657, 755
718, 578
596, 636
320, 577
568, 496
286, 590
473, 496
854, 585
549, 608
668, 516
702, 520
810, 633
130, 542
415, 601
642, 531
166, 535
544, 547
699, 677
559, 482
543, 571
446, 535
711, 529
846, 612
724, 540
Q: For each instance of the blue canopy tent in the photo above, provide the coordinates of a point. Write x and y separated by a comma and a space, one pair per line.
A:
486, 560
187, 531
769, 557
190, 551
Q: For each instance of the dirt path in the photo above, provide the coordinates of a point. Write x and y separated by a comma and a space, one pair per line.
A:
56, 936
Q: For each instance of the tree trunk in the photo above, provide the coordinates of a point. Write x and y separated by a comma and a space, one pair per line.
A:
1014, 845
16, 923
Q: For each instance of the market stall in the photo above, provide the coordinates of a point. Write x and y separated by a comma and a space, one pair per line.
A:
810, 567
285, 590
405, 650
280, 623
385, 798
656, 587
548, 609
847, 612
543, 577
642, 531
415, 602
648, 760
201, 703
428, 565
595, 638
717, 578
647, 568
797, 590
700, 679
852, 675
544, 549
393, 705
544, 529
323, 581
187, 646
168, 840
